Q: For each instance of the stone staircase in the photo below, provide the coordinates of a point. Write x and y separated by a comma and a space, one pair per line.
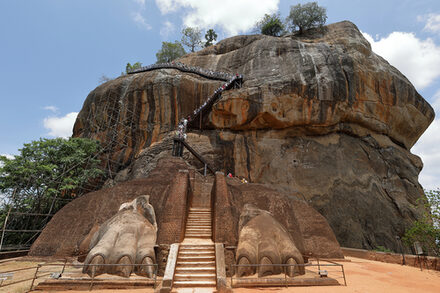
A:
196, 259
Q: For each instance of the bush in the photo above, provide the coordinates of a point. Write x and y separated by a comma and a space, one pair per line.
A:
169, 52
426, 231
270, 25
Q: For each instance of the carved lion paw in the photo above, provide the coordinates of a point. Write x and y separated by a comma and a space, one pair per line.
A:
263, 240
125, 239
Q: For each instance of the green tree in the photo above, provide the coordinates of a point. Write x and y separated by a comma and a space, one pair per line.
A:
306, 16
41, 179
427, 229
169, 52
210, 37
270, 25
130, 67
192, 38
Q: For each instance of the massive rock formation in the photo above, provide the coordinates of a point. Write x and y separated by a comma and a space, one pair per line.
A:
318, 114
94, 219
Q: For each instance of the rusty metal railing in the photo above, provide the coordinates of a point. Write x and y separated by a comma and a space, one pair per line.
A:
321, 271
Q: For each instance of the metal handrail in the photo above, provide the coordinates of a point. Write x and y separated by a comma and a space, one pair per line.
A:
65, 264
185, 68
93, 274
286, 277
197, 155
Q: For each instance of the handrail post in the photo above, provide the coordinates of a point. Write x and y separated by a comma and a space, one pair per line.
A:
4, 227
232, 273
204, 172
64, 266
93, 277
35, 276
155, 275
343, 273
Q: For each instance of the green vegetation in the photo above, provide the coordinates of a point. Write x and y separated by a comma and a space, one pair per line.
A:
427, 230
210, 37
382, 249
270, 25
169, 52
43, 178
130, 67
306, 16
192, 38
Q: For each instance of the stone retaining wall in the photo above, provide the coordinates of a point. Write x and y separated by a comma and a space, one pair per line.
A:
425, 262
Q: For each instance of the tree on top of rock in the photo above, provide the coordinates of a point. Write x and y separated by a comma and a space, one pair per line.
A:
192, 38
270, 25
306, 16
169, 52
210, 37
130, 67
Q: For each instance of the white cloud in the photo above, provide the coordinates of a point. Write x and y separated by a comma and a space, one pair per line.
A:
233, 16
432, 22
9, 156
60, 126
418, 60
140, 20
428, 148
51, 108
167, 29
141, 3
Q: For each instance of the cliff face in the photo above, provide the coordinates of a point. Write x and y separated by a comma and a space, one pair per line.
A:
320, 114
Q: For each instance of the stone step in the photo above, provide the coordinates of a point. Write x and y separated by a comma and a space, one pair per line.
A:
206, 236
198, 226
207, 283
198, 229
195, 264
200, 209
194, 276
192, 269
190, 250
195, 258
196, 247
197, 252
199, 216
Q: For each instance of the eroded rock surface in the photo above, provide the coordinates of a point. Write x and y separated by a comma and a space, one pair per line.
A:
263, 240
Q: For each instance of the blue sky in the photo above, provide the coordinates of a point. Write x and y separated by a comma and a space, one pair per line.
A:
53, 52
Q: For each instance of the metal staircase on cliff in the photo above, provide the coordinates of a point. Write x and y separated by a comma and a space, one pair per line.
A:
196, 258
232, 81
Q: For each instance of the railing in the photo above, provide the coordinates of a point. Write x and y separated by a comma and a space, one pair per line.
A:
320, 269
234, 82
93, 278
178, 141
185, 68
9, 275
64, 273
